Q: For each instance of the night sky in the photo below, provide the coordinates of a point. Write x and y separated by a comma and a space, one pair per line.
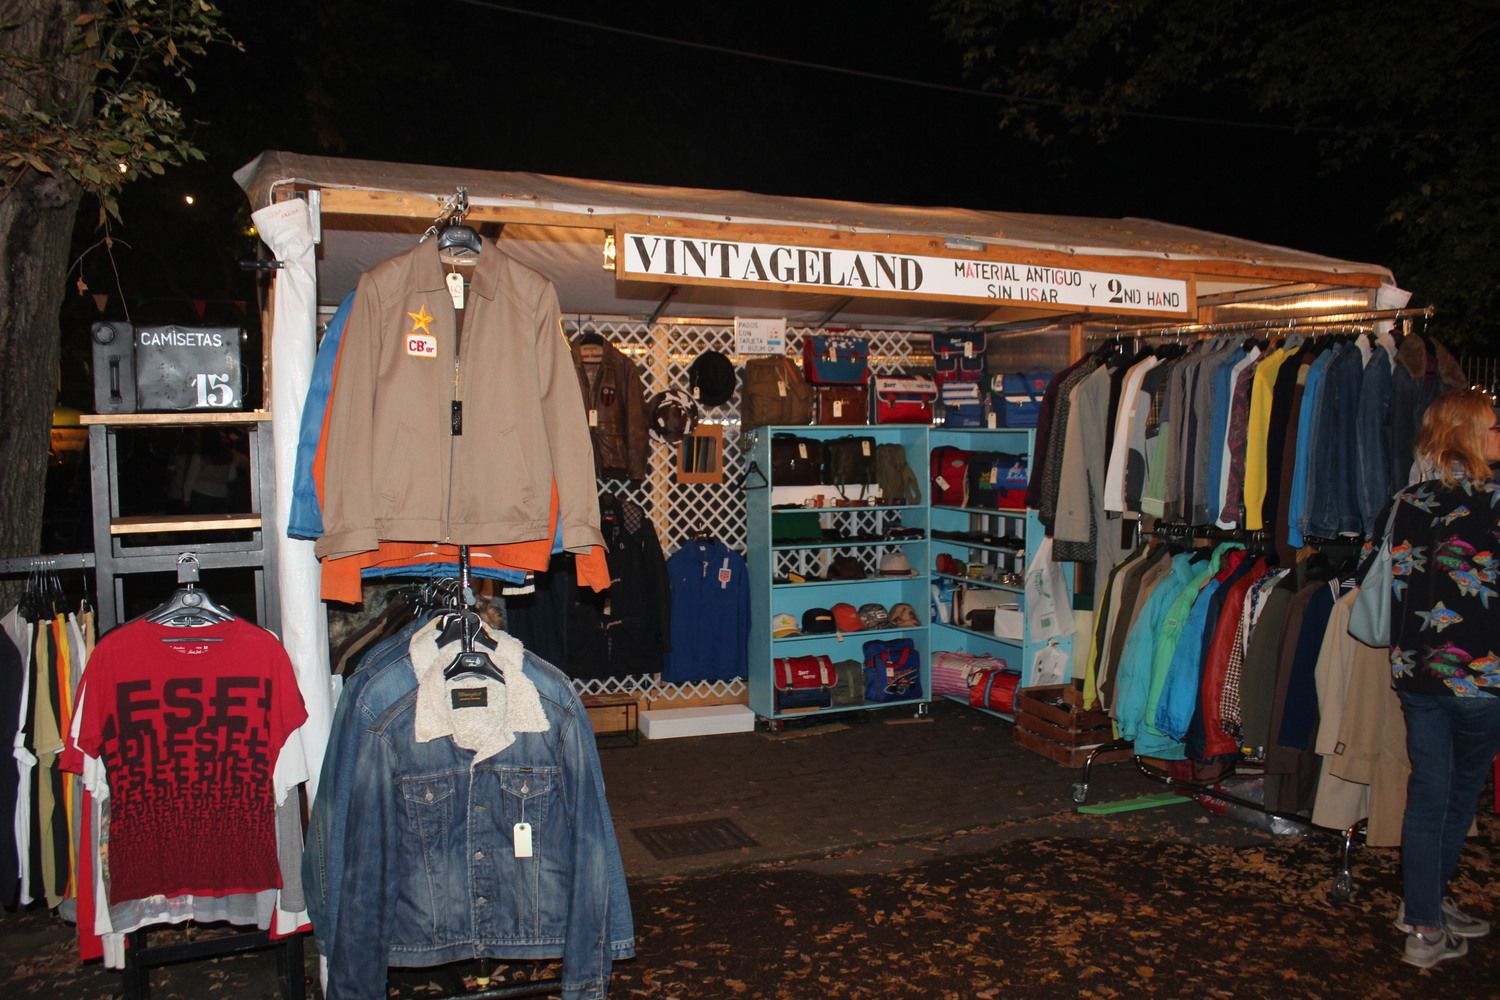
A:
454, 83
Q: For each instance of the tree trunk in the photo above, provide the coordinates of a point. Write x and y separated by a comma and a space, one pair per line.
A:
36, 228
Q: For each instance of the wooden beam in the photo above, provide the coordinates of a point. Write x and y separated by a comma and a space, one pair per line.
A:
394, 205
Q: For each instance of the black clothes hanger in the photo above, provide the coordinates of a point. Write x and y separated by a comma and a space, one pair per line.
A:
590, 339
459, 241
469, 660
189, 606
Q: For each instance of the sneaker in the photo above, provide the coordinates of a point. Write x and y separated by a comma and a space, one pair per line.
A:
1425, 952
1455, 921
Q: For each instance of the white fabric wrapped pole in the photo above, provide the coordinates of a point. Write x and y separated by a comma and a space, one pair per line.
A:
286, 228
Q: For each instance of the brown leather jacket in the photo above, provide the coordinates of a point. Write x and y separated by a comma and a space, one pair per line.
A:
615, 400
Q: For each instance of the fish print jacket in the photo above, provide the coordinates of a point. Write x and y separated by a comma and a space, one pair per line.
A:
1445, 621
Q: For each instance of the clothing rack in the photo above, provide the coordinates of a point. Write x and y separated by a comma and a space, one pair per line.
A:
1286, 324
62, 561
540, 987
1342, 890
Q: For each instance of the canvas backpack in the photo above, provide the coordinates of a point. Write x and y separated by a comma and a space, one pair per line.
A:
898, 483
774, 393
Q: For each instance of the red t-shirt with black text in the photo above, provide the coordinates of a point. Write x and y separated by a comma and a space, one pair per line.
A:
188, 724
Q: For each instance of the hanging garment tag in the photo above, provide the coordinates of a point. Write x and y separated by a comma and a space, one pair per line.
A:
521, 835
801, 450
470, 697
968, 349
781, 387
593, 418
457, 421
942, 483
990, 419
456, 290
838, 408
864, 446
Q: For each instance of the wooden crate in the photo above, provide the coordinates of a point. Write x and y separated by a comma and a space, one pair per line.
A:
1061, 734
1067, 756
1061, 705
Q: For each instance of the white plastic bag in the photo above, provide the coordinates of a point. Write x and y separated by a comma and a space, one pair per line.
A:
1049, 606
1050, 666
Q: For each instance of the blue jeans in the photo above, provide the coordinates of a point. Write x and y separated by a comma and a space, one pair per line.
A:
1451, 742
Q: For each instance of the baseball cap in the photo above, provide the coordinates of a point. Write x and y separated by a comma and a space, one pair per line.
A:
783, 625
895, 564
818, 620
874, 616
846, 618
904, 616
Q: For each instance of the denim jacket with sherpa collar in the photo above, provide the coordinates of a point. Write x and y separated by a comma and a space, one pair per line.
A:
435, 864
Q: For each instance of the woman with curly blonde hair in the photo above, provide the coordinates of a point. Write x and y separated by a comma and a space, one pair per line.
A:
1445, 659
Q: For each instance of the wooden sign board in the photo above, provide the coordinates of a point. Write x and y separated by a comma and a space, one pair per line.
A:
738, 257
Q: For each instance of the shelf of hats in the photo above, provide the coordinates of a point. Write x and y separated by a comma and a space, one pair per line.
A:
877, 587
837, 566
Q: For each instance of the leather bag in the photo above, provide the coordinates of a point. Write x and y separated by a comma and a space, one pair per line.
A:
796, 460
841, 404
774, 393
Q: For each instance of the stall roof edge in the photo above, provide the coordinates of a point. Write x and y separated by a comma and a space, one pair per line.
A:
602, 200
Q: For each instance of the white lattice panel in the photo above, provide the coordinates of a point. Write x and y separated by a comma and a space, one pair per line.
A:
664, 352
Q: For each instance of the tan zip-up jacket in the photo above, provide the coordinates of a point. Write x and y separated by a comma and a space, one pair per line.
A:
395, 469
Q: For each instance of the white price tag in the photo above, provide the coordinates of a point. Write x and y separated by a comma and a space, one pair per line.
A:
456, 289
864, 446
838, 408
781, 387
941, 483
968, 349
593, 418
990, 419
521, 835
801, 449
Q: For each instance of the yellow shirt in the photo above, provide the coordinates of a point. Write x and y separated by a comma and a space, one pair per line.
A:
1255, 437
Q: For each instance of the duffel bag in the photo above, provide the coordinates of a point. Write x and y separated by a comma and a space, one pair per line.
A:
1012, 476
949, 469
774, 393
803, 672
849, 683
995, 690
796, 460
904, 399
893, 670
841, 404
795, 699
958, 356
953, 673
1016, 398
963, 404
835, 359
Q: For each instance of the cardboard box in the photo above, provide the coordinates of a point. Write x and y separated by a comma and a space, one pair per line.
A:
712, 720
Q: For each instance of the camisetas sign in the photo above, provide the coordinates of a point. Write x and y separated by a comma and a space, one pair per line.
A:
871, 272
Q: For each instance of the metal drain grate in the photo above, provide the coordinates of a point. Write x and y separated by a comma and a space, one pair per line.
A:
683, 840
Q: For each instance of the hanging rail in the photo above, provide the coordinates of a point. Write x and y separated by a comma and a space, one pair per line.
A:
61, 562
1286, 323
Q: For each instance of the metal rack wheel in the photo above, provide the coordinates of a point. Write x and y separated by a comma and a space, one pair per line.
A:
1080, 792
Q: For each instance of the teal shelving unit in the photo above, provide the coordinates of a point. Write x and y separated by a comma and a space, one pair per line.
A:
1013, 541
